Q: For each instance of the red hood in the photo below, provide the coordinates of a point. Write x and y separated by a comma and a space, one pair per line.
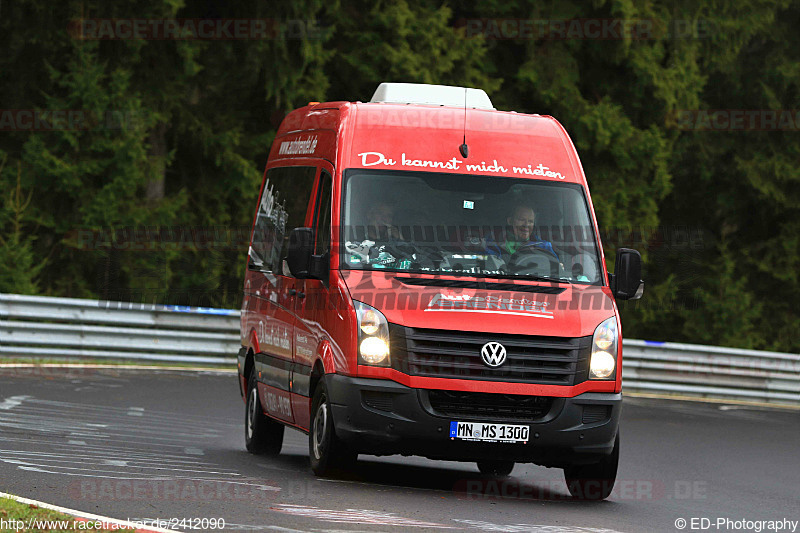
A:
416, 300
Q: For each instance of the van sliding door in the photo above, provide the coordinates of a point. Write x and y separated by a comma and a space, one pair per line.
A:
271, 289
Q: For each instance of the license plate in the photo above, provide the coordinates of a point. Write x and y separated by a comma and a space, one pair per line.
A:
479, 431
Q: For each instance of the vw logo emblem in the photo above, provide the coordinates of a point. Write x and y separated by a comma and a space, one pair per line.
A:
493, 354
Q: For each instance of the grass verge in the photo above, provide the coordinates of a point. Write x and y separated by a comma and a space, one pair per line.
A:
16, 517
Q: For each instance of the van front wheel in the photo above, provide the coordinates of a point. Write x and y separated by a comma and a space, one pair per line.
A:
262, 435
594, 481
326, 451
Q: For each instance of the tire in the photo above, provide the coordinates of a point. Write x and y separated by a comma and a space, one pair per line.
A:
262, 435
327, 452
496, 468
595, 481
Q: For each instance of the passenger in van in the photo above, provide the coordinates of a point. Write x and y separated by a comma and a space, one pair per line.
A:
519, 233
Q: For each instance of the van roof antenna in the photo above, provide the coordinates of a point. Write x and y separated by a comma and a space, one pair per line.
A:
464, 149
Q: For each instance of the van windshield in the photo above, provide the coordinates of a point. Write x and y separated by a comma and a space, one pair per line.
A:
481, 226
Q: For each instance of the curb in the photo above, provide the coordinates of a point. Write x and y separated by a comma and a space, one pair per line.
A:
129, 526
721, 401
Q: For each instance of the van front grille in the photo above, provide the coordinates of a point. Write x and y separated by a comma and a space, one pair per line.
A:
457, 354
489, 407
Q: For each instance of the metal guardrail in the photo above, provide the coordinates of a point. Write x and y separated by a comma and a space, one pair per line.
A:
36, 326
711, 371
66, 327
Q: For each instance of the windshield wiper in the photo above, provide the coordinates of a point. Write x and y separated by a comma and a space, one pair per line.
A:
533, 277
489, 276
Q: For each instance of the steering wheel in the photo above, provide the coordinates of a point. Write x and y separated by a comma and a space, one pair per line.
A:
535, 261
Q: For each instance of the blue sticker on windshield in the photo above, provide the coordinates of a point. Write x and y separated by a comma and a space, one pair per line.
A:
469, 205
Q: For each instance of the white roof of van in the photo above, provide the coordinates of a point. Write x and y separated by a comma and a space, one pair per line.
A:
421, 93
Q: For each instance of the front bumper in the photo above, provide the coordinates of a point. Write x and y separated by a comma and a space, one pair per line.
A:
406, 424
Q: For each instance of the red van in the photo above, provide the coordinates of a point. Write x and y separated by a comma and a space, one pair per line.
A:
425, 277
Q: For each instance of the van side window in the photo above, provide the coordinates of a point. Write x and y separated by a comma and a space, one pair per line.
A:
281, 209
323, 214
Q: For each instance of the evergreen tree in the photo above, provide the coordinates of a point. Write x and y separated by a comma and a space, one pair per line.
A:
168, 136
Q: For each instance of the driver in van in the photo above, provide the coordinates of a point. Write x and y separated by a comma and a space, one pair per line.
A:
519, 233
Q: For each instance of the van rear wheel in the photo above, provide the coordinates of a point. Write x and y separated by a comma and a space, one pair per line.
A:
496, 468
327, 452
594, 481
262, 435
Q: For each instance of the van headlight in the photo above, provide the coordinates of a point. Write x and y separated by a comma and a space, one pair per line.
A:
373, 335
604, 350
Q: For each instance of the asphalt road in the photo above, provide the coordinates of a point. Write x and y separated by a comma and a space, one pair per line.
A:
168, 444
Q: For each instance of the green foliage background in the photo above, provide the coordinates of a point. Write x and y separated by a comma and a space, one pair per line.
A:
181, 130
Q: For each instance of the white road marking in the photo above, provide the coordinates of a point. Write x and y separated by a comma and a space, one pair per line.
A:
91, 441
13, 401
159, 468
133, 477
148, 433
84, 410
355, 516
103, 448
744, 408
230, 526
100, 455
531, 528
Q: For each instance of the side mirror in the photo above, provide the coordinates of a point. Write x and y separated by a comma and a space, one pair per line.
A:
300, 258
301, 246
627, 283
